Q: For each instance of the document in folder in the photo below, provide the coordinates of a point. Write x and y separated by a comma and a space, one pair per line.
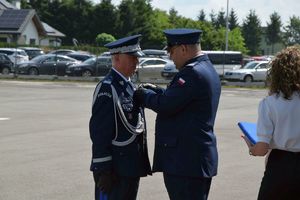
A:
249, 130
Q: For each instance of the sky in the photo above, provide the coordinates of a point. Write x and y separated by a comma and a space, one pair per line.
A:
263, 8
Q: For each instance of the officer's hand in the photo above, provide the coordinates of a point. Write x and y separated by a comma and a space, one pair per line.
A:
105, 180
148, 86
152, 87
138, 97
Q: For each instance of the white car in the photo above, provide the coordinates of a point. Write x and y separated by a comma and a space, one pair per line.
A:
252, 71
15, 55
149, 69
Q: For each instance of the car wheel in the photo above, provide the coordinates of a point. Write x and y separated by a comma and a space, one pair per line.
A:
86, 73
248, 79
135, 77
33, 71
5, 70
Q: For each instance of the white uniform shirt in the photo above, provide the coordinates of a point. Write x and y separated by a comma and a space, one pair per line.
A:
279, 122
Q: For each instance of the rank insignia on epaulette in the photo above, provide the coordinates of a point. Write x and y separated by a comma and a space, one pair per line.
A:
181, 81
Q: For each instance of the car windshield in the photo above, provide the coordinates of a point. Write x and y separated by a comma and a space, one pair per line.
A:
250, 65
23, 53
90, 61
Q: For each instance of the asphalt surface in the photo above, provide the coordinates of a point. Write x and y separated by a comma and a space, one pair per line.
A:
45, 149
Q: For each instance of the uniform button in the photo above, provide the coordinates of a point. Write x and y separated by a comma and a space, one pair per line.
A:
165, 145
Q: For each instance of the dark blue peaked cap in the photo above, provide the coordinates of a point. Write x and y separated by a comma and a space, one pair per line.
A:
128, 45
182, 36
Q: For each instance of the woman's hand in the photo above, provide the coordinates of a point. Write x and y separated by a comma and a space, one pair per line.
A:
259, 149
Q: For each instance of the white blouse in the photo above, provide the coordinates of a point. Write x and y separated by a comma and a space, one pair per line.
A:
279, 122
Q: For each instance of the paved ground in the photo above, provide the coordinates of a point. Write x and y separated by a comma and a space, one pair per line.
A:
45, 145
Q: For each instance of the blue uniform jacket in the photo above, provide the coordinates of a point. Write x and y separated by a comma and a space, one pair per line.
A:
130, 160
185, 143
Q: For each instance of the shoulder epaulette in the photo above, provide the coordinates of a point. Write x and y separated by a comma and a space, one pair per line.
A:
107, 80
191, 64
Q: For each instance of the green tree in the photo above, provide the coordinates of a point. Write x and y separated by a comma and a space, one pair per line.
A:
104, 38
221, 19
233, 20
144, 20
213, 19
126, 21
173, 17
291, 35
235, 40
273, 30
104, 18
160, 22
201, 15
251, 30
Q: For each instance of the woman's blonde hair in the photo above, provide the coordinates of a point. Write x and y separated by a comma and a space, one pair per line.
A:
284, 74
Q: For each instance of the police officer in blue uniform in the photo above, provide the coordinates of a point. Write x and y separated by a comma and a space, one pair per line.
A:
185, 143
118, 128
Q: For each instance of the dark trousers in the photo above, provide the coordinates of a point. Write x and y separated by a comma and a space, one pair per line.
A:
125, 189
187, 188
281, 179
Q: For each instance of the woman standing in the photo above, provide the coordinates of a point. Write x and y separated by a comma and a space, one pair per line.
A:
278, 129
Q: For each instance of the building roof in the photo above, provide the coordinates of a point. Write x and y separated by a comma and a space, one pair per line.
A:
6, 5
14, 21
52, 32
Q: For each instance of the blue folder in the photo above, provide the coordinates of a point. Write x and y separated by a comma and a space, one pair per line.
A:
249, 130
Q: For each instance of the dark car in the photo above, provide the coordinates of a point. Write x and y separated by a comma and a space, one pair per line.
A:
32, 51
80, 56
99, 66
6, 65
62, 51
50, 64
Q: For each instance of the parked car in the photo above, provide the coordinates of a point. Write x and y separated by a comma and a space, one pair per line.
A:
15, 55
106, 53
156, 53
80, 56
252, 71
169, 71
99, 66
6, 65
62, 51
50, 64
149, 69
246, 60
32, 51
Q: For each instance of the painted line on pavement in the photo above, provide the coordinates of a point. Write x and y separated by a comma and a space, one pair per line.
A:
4, 118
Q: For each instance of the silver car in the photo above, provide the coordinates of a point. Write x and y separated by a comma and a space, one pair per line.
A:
15, 55
252, 71
149, 69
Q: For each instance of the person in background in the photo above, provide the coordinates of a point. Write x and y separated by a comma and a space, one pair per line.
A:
118, 128
278, 129
185, 143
